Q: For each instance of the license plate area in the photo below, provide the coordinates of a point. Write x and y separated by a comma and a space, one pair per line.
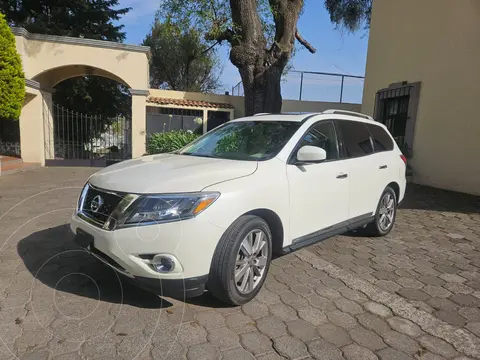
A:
83, 239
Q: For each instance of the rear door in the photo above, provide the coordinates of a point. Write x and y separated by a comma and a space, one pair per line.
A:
318, 192
357, 152
386, 164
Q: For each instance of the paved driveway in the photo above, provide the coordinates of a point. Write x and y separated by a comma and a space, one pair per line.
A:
413, 294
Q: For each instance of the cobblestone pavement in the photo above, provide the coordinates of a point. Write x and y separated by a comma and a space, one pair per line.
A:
414, 294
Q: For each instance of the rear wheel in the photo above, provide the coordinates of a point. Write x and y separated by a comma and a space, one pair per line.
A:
385, 214
241, 261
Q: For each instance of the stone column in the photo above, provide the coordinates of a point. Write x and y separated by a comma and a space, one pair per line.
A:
205, 119
32, 138
47, 111
139, 121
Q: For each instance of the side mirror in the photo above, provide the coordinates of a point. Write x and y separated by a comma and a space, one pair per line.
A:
311, 154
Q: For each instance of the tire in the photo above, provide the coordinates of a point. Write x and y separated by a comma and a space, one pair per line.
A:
230, 257
377, 227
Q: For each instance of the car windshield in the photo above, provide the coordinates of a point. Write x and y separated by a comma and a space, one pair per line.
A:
243, 140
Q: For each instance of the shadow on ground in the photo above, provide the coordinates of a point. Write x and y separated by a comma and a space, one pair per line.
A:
207, 300
419, 197
56, 261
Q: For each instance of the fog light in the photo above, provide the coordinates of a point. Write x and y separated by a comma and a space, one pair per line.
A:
162, 264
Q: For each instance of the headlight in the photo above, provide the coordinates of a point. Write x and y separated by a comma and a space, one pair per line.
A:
82, 196
164, 208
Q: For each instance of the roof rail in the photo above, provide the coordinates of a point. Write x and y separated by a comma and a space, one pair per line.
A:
259, 114
346, 112
298, 113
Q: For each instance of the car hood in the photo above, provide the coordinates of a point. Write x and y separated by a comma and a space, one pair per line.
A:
169, 173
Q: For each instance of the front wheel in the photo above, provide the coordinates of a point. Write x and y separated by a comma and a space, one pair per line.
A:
241, 261
385, 214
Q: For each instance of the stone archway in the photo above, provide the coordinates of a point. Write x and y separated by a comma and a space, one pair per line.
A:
48, 60
52, 77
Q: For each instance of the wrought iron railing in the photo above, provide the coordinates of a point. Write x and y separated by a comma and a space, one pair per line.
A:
10, 148
80, 136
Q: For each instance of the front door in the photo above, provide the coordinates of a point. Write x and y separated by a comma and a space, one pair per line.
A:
318, 192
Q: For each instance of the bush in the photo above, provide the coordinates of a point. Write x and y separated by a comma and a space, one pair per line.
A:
12, 78
159, 143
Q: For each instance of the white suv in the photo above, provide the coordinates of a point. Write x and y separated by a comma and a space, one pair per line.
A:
210, 215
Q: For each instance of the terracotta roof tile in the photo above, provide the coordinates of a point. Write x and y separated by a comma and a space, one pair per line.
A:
190, 103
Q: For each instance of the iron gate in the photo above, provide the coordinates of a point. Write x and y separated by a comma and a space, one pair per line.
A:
76, 139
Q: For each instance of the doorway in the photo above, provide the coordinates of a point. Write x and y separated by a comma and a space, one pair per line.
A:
217, 118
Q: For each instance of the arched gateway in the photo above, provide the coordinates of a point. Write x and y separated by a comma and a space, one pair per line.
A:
48, 60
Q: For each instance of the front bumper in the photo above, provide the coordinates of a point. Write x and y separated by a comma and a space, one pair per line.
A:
189, 243
175, 288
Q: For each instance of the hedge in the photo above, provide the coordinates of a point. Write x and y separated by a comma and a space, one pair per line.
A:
158, 143
12, 78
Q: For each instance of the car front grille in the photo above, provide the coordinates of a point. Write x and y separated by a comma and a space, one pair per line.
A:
99, 213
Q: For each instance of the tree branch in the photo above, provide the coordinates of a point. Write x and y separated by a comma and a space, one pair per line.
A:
210, 48
226, 35
304, 42
214, 9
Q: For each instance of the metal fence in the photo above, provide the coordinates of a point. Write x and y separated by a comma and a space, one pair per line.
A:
79, 139
9, 148
317, 86
9, 137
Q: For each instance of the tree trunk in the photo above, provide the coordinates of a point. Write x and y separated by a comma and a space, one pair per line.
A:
262, 89
261, 66
261, 72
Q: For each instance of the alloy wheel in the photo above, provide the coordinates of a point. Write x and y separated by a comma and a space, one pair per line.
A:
386, 212
251, 261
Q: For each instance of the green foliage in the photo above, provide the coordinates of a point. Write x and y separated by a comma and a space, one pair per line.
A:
181, 59
250, 139
212, 16
350, 14
83, 94
90, 19
169, 141
12, 79
229, 143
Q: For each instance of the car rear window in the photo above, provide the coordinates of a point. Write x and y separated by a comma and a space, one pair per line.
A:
381, 140
356, 138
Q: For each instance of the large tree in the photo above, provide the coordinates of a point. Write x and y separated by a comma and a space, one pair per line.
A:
92, 19
181, 59
12, 79
261, 35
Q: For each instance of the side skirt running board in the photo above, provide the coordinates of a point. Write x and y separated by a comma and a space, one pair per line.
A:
329, 232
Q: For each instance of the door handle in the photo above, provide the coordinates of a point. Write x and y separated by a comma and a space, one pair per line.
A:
342, 176
383, 167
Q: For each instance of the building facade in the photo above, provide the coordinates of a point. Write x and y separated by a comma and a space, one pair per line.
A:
423, 81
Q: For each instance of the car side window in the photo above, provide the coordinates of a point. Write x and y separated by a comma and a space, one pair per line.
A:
381, 140
322, 135
356, 138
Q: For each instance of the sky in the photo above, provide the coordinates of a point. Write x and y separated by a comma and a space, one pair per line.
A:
337, 52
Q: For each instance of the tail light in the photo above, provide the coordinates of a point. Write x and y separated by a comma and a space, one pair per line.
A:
404, 158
